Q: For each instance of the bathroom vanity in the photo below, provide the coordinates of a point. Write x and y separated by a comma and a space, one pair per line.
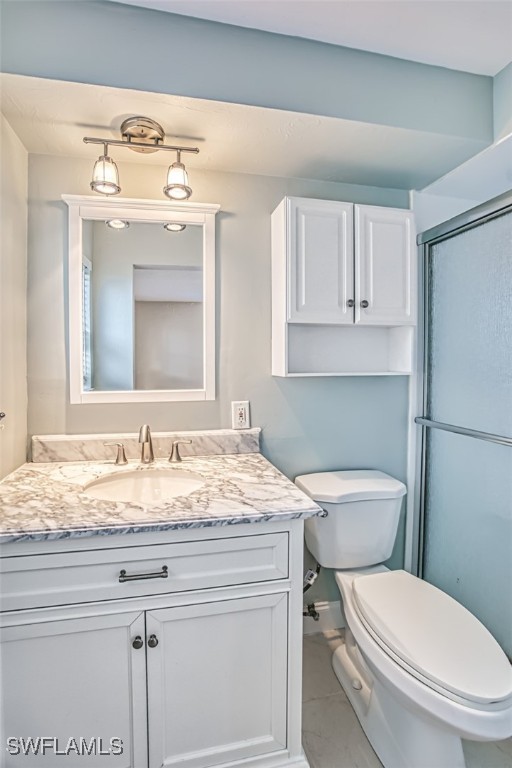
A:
173, 628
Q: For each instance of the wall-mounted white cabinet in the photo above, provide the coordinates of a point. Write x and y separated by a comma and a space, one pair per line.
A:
343, 289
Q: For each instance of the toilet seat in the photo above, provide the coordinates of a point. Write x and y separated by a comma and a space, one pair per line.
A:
433, 637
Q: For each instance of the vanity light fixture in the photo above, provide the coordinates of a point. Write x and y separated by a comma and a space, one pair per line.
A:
105, 176
140, 134
177, 187
117, 224
173, 226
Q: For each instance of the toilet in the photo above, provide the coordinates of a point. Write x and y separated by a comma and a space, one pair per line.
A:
420, 671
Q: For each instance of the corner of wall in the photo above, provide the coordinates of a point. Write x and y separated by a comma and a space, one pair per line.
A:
502, 103
13, 299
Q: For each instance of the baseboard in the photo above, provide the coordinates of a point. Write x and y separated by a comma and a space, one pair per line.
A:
331, 617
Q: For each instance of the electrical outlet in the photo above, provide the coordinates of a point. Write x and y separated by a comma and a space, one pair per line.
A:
240, 417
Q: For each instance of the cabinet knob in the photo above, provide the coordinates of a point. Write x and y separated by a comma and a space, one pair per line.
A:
350, 303
365, 304
153, 641
138, 642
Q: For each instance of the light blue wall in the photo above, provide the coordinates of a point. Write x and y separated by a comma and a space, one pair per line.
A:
308, 425
129, 47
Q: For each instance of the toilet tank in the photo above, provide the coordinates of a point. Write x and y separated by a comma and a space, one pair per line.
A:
363, 510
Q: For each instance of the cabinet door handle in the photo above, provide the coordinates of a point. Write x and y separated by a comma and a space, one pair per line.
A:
350, 303
163, 574
137, 642
365, 304
153, 641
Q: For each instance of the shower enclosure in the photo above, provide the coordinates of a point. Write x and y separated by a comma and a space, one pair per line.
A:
465, 499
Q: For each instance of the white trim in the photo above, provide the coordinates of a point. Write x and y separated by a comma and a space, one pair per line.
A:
89, 207
75, 301
209, 307
414, 406
410, 542
414, 443
141, 396
331, 617
91, 202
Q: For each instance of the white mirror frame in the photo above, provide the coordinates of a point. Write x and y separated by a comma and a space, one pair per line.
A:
89, 207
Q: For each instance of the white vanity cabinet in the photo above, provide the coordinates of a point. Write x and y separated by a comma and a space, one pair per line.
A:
181, 669
343, 289
74, 674
217, 681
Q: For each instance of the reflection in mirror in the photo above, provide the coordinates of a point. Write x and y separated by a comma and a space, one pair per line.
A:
143, 307
141, 300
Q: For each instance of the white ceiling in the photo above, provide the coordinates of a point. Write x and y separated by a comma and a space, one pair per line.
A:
52, 117
469, 35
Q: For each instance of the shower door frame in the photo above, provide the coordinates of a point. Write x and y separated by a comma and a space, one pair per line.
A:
492, 209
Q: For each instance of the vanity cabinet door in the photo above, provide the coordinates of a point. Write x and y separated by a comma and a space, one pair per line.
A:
73, 679
217, 681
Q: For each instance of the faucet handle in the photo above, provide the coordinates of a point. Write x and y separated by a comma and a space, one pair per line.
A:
175, 457
121, 455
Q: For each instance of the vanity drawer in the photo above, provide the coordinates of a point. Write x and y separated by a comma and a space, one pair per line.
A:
37, 581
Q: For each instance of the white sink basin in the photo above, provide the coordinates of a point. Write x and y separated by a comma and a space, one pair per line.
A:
147, 486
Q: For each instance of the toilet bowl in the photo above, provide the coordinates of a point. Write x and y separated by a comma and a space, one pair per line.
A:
420, 671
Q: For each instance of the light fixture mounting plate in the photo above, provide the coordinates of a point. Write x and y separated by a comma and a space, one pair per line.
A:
144, 130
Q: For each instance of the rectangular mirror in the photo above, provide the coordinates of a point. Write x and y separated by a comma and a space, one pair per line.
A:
141, 300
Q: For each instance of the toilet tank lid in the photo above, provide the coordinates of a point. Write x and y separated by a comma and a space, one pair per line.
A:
350, 485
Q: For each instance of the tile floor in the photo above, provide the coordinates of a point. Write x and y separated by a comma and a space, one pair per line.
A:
332, 736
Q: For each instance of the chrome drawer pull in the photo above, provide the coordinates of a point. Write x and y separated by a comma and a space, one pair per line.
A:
163, 574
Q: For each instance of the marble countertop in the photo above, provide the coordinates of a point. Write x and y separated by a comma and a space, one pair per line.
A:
47, 501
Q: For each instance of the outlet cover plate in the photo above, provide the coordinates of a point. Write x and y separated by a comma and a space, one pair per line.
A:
240, 414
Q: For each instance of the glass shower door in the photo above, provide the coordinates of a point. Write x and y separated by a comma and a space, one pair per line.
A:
467, 478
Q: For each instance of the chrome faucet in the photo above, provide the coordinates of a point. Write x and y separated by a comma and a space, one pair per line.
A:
146, 456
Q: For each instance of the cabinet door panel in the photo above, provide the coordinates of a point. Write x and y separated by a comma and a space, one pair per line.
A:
320, 261
217, 681
75, 679
385, 266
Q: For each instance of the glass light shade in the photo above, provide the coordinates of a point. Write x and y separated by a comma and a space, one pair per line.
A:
173, 226
117, 224
177, 182
105, 176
